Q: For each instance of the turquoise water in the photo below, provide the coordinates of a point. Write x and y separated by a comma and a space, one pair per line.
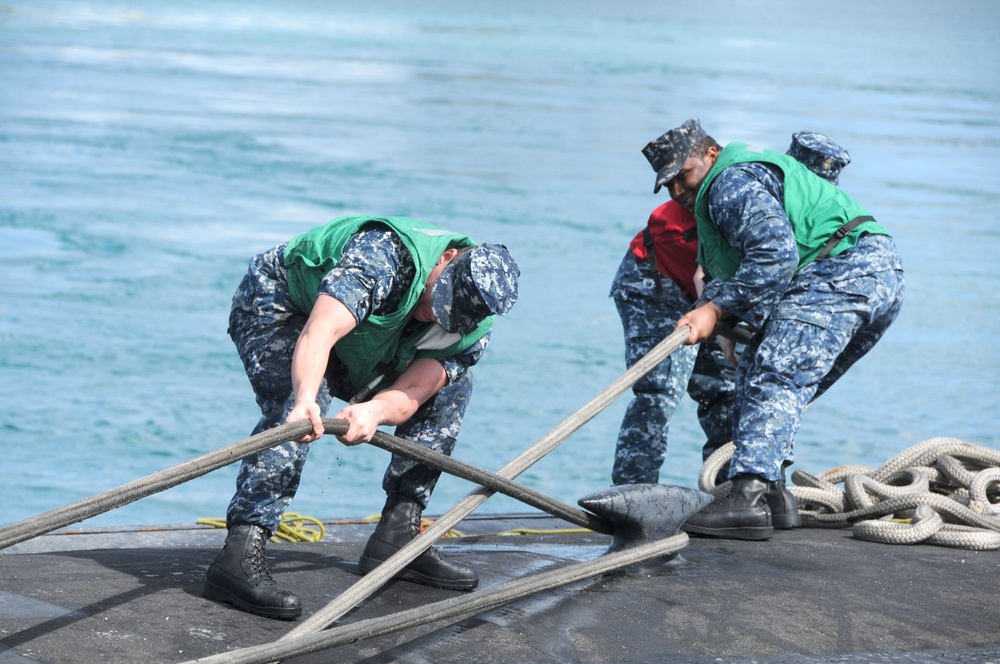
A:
148, 149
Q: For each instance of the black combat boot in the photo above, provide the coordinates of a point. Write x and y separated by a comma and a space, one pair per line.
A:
742, 514
784, 508
239, 576
399, 524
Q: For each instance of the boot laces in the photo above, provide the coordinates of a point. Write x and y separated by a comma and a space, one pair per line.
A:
258, 572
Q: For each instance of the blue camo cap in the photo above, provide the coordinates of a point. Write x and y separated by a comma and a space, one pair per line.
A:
668, 153
479, 283
820, 154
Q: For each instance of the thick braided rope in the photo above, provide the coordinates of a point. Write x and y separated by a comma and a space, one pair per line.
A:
710, 471
147, 486
454, 607
378, 577
948, 489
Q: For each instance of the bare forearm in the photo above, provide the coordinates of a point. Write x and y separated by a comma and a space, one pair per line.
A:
312, 352
329, 321
396, 404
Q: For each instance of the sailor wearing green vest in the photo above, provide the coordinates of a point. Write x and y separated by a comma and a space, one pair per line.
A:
797, 259
388, 313
656, 283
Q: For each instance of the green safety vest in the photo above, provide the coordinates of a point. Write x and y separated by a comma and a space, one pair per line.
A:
818, 210
378, 345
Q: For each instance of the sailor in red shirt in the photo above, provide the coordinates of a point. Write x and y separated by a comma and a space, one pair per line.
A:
655, 286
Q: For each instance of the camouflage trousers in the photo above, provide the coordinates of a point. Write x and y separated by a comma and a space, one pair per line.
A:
649, 314
831, 315
265, 325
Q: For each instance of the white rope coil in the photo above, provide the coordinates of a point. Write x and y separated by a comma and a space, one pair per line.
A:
710, 471
942, 491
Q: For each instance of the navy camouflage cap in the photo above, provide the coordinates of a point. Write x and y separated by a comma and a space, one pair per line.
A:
477, 284
820, 154
668, 153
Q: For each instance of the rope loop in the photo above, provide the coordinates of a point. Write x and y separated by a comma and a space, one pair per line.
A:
293, 528
942, 491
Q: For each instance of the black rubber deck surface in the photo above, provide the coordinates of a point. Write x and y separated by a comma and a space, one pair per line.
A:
805, 596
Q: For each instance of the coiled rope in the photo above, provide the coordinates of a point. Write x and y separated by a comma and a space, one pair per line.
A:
293, 528
942, 491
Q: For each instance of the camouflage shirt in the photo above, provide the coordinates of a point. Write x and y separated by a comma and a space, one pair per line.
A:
373, 276
746, 205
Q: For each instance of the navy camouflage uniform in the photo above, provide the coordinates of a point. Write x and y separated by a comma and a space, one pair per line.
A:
649, 309
814, 324
372, 276
649, 315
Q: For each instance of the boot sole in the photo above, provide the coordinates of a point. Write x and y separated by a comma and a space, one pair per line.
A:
366, 565
786, 521
746, 533
218, 594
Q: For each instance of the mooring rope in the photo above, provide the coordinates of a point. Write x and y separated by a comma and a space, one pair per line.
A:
484, 478
375, 579
189, 470
147, 486
450, 608
415, 547
942, 491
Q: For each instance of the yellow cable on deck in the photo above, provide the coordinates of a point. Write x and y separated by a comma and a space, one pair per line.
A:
424, 523
293, 528
550, 531
296, 528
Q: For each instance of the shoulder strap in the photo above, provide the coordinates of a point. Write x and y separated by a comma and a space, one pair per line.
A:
647, 239
841, 233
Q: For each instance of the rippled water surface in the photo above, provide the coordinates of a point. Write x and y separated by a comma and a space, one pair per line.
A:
148, 149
